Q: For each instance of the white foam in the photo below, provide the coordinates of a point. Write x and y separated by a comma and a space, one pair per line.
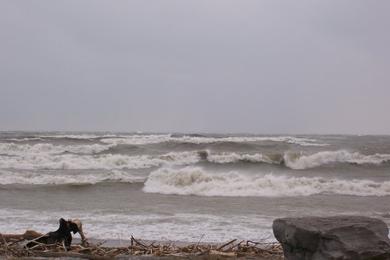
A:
197, 181
236, 157
137, 139
154, 139
42, 178
180, 158
49, 156
77, 136
71, 161
46, 148
24, 139
242, 139
164, 227
102, 161
142, 139
300, 162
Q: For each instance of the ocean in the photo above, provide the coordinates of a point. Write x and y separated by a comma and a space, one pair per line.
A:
187, 187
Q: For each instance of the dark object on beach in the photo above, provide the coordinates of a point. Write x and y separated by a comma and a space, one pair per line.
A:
61, 235
339, 237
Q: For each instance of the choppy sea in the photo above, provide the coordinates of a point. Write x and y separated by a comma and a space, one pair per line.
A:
187, 187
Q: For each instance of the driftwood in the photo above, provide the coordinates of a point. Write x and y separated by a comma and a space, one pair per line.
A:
28, 235
13, 248
28, 245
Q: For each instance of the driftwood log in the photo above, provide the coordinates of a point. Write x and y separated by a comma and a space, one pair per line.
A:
28, 235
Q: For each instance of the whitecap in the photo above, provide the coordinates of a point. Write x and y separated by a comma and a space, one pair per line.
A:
197, 181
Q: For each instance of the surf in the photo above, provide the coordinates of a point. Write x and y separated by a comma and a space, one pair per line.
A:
200, 182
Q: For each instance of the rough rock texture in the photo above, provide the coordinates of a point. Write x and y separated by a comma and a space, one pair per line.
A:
339, 237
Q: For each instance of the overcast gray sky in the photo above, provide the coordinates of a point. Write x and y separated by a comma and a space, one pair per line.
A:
195, 66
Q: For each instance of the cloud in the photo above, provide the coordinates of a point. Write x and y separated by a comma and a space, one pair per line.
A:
210, 66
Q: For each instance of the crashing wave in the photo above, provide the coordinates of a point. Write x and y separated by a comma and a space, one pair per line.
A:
35, 178
46, 148
300, 161
155, 139
197, 181
103, 161
25, 139
236, 157
77, 136
99, 156
137, 139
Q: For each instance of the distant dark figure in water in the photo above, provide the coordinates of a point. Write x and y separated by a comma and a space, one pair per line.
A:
203, 155
61, 235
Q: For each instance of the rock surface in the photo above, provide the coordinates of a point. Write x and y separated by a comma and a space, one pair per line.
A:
339, 237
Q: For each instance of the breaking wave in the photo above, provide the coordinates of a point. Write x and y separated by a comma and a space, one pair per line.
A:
154, 139
103, 161
76, 136
34, 178
113, 156
197, 181
225, 157
300, 161
46, 148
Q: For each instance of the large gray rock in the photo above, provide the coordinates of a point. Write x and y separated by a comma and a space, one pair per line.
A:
340, 237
